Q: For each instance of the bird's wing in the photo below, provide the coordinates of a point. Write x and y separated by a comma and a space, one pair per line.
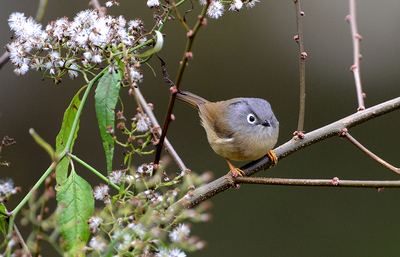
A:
215, 119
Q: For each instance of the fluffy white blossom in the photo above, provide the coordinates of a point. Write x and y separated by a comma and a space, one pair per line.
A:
145, 168
85, 38
153, 3
6, 186
100, 192
236, 5
252, 3
215, 10
180, 233
175, 252
116, 177
97, 244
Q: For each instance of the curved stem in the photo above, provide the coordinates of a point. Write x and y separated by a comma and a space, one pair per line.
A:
371, 154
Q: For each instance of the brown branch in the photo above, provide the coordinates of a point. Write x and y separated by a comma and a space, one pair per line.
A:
302, 68
355, 68
4, 59
335, 182
295, 144
371, 154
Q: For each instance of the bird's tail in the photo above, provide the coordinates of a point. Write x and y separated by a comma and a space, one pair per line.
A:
190, 98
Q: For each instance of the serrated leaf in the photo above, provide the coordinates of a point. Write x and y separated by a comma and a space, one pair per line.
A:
76, 198
106, 98
62, 137
3, 217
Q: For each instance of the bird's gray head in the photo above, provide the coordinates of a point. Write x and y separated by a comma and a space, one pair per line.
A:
248, 115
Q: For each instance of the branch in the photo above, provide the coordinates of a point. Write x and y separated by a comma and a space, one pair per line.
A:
302, 68
335, 182
295, 144
371, 154
355, 68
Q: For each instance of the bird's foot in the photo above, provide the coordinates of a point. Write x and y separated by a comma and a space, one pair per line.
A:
273, 157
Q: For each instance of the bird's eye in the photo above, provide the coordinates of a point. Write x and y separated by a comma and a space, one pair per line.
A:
251, 118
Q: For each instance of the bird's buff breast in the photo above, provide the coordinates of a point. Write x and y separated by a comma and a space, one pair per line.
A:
244, 148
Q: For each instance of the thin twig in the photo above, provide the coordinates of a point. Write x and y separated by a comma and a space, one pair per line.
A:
302, 68
371, 154
355, 68
334, 129
154, 121
191, 35
21, 241
335, 182
4, 59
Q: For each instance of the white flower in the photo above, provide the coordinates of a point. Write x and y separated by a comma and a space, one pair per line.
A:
180, 233
215, 10
141, 123
136, 75
100, 192
236, 5
54, 56
203, 2
133, 24
116, 177
73, 73
176, 252
252, 3
95, 221
162, 253
124, 239
139, 229
130, 179
6, 186
144, 168
153, 3
22, 69
97, 58
16, 20
97, 244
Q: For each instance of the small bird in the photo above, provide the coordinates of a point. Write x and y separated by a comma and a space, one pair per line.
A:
239, 129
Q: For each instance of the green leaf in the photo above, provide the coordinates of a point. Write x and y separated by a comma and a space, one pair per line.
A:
62, 137
3, 217
75, 195
106, 98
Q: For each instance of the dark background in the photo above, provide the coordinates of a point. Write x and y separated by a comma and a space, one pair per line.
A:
252, 54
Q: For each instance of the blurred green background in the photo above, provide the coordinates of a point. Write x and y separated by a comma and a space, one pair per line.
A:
252, 54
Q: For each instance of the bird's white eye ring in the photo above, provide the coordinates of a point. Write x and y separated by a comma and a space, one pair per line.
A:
251, 118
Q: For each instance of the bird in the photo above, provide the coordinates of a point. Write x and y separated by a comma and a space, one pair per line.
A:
239, 129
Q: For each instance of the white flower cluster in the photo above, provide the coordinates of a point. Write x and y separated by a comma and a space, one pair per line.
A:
216, 8
85, 38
